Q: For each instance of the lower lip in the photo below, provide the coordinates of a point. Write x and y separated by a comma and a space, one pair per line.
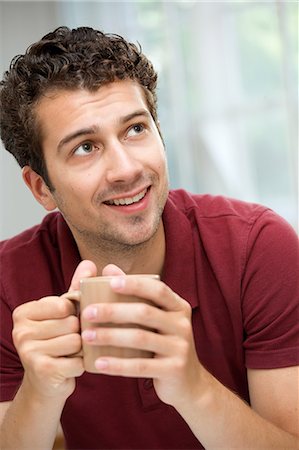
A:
134, 207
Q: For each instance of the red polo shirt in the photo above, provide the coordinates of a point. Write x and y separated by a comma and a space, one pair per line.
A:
236, 263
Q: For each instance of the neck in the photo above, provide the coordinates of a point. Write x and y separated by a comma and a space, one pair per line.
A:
147, 257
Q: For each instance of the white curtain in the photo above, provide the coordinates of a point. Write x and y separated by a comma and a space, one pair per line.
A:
228, 91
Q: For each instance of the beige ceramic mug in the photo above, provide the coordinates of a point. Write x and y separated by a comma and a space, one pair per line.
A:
98, 290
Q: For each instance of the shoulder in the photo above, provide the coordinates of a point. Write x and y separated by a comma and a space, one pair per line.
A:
29, 261
209, 212
206, 206
232, 232
32, 237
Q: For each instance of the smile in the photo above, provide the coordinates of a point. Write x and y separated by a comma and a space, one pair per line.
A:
127, 200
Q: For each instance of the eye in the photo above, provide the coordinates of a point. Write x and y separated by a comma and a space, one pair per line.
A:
136, 129
84, 149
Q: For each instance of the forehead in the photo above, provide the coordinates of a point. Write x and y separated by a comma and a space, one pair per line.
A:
61, 108
127, 90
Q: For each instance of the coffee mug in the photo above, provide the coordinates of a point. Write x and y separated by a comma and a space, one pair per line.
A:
98, 290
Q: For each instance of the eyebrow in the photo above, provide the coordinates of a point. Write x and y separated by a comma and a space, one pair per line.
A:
70, 137
95, 128
139, 112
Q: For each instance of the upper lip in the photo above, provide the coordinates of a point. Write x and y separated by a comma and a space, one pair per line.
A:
127, 195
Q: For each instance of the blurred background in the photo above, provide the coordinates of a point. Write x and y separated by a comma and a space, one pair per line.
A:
228, 92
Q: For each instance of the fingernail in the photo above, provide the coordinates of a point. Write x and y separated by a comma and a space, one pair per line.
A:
89, 335
101, 364
117, 282
86, 274
90, 313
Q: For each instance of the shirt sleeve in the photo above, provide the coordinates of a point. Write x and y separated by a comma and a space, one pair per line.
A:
11, 369
270, 293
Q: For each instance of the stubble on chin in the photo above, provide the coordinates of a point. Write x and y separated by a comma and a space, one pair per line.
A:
113, 240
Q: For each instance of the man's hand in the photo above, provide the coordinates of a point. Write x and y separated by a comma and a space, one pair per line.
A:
209, 408
45, 334
175, 368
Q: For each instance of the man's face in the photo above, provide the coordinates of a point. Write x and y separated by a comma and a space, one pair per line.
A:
106, 162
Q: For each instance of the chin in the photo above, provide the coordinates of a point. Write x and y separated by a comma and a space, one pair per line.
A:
138, 236
137, 240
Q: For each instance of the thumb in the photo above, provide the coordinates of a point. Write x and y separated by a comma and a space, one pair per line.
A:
84, 270
112, 269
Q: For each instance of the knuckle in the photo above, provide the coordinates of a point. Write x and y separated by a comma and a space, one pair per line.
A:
44, 368
118, 366
144, 311
140, 337
142, 367
78, 368
19, 335
43, 365
18, 313
106, 312
163, 290
76, 342
16, 336
73, 324
27, 353
178, 364
183, 348
62, 307
185, 325
187, 309
104, 335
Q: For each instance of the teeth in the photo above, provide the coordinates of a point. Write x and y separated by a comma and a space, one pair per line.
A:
127, 200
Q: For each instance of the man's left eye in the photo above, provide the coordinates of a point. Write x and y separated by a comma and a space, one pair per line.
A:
136, 129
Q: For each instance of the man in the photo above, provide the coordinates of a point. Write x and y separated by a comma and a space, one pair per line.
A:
78, 111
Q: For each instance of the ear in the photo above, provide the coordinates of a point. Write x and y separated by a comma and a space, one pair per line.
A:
39, 189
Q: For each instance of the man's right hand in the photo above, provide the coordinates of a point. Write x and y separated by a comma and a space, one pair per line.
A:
46, 334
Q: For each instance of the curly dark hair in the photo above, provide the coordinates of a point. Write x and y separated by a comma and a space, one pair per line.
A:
64, 59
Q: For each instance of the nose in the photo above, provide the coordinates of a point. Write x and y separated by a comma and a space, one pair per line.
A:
122, 165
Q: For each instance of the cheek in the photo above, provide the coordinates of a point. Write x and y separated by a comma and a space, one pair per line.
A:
162, 164
70, 193
80, 183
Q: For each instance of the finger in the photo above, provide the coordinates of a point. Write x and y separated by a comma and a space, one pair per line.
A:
112, 269
136, 312
136, 338
70, 367
85, 269
43, 309
60, 367
134, 367
69, 344
48, 329
150, 289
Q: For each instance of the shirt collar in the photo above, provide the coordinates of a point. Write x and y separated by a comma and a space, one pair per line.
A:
69, 252
179, 267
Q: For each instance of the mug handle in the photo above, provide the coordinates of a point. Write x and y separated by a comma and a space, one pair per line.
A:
74, 296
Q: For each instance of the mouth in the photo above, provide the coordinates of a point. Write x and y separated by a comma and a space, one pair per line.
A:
126, 201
